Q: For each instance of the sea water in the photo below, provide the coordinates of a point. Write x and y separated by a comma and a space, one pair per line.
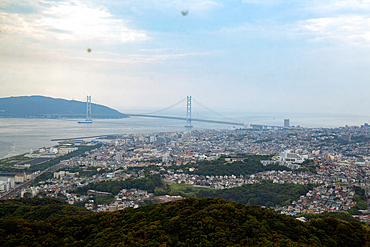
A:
20, 135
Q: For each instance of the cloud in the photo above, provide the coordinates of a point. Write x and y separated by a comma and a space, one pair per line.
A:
196, 4
335, 6
69, 20
265, 2
338, 23
343, 22
44, 55
263, 29
138, 58
193, 6
349, 30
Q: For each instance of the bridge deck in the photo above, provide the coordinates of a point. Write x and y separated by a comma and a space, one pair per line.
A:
204, 120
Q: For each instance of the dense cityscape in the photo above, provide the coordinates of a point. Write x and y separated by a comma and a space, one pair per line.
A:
334, 160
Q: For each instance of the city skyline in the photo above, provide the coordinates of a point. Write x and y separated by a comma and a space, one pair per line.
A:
249, 56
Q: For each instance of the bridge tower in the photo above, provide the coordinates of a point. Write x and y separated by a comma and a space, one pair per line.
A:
188, 113
88, 108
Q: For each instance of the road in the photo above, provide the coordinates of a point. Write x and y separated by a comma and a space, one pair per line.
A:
15, 190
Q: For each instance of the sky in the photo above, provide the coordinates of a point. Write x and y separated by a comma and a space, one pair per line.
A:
232, 55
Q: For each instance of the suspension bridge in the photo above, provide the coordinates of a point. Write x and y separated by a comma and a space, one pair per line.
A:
189, 118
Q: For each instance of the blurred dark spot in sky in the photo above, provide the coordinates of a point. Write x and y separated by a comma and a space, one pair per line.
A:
88, 50
184, 12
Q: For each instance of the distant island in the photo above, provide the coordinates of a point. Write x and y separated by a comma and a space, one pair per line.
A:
47, 107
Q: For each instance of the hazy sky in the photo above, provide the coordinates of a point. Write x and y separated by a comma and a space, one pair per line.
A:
248, 56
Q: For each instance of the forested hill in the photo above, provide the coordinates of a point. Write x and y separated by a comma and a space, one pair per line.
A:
188, 222
46, 107
38, 209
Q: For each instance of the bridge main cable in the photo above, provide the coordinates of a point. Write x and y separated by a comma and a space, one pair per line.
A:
169, 107
182, 118
188, 118
211, 110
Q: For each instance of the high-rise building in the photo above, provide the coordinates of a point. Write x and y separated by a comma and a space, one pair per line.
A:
119, 156
286, 122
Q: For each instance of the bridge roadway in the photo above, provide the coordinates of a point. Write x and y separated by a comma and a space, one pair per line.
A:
205, 121
256, 126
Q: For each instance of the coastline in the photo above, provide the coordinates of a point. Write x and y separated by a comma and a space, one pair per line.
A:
25, 134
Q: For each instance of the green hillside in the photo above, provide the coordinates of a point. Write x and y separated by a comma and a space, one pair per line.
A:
189, 222
265, 193
38, 209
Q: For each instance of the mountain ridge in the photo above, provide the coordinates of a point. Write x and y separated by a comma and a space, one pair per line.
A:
37, 106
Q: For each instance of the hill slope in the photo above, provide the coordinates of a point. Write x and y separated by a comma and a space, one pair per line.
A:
189, 222
38, 209
46, 107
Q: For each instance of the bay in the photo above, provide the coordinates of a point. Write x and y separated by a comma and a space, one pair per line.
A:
20, 135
